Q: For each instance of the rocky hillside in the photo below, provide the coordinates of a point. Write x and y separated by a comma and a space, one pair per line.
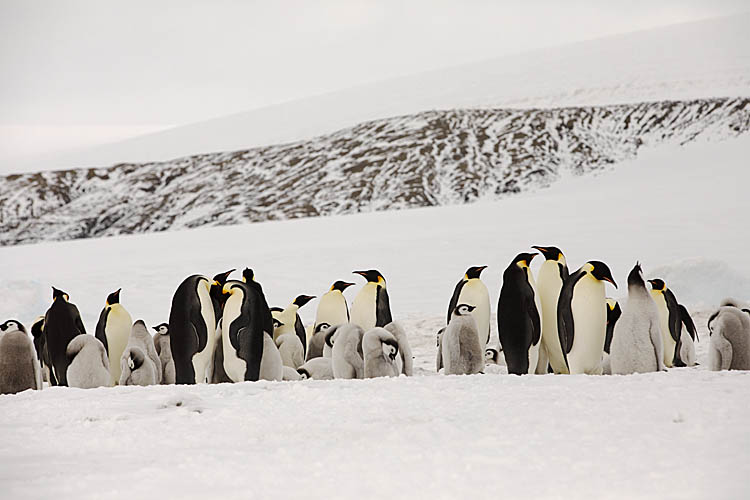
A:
427, 159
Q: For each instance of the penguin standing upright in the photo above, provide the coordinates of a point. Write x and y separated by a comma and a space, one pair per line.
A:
163, 349
217, 293
332, 310
113, 330
669, 313
519, 316
19, 366
192, 331
552, 275
62, 323
379, 352
371, 306
289, 320
89, 363
347, 358
729, 331
460, 350
472, 291
582, 317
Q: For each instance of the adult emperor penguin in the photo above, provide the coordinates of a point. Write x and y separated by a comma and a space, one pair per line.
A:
729, 330
637, 342
245, 336
519, 317
290, 321
113, 331
332, 307
462, 354
380, 350
669, 313
371, 306
163, 349
552, 275
19, 366
192, 331
582, 317
688, 337
347, 357
61, 324
471, 290
89, 363
217, 293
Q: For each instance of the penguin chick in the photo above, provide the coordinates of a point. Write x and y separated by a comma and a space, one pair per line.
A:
136, 368
89, 363
140, 337
330, 337
19, 366
688, 337
317, 341
346, 354
290, 349
317, 368
291, 374
462, 354
164, 350
406, 365
439, 359
729, 348
492, 356
380, 350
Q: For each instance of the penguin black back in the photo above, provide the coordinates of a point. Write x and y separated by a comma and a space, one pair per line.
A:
187, 328
248, 276
246, 331
613, 314
565, 326
473, 272
61, 324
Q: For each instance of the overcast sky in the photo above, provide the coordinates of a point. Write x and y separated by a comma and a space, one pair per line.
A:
133, 65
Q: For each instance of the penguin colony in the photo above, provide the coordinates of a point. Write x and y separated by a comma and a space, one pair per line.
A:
223, 330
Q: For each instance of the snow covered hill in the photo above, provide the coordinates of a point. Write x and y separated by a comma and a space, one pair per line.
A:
433, 158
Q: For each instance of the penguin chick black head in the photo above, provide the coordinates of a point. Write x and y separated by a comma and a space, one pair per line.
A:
114, 297
523, 259
221, 278
11, 326
321, 327
551, 253
341, 285
463, 309
390, 348
600, 271
277, 323
635, 278
372, 276
490, 355
161, 328
303, 373
474, 272
658, 284
56, 294
301, 300
329, 337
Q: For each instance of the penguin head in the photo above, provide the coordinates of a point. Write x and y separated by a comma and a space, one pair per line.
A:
277, 323
330, 332
114, 297
340, 286
321, 328
372, 276
463, 309
301, 300
303, 373
221, 278
57, 294
600, 271
635, 278
658, 285
551, 253
248, 275
474, 272
231, 287
523, 259
491, 355
390, 349
11, 326
161, 329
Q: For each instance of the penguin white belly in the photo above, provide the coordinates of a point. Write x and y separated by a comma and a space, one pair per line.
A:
287, 317
332, 309
118, 327
234, 366
364, 307
549, 286
687, 348
669, 343
474, 293
271, 367
590, 323
203, 360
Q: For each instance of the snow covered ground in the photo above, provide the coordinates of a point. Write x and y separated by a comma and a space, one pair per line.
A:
681, 434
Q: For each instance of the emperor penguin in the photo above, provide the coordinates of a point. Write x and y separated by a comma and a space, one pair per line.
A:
552, 274
140, 338
290, 349
290, 320
192, 331
317, 368
62, 323
471, 290
332, 307
406, 365
582, 317
163, 349
669, 312
688, 337
217, 296
729, 331
19, 366
613, 314
380, 350
89, 363
371, 306
461, 351
519, 317
347, 357
113, 331
637, 343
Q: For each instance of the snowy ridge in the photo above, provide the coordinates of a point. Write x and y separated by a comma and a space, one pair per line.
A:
428, 159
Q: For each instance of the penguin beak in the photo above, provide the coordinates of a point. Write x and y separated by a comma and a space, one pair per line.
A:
609, 278
156, 328
541, 249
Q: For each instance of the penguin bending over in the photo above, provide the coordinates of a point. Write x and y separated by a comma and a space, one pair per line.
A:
163, 349
332, 308
19, 366
461, 352
729, 348
289, 320
688, 337
406, 358
582, 317
141, 340
317, 369
192, 331
290, 374
552, 274
290, 349
669, 312
519, 319
637, 345
371, 306
380, 350
89, 363
137, 368
217, 296
347, 357
113, 331
62, 323
472, 291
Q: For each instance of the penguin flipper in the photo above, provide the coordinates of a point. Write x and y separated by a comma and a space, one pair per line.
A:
299, 329
687, 320
199, 328
382, 308
100, 331
673, 308
536, 324
454, 299
79, 323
